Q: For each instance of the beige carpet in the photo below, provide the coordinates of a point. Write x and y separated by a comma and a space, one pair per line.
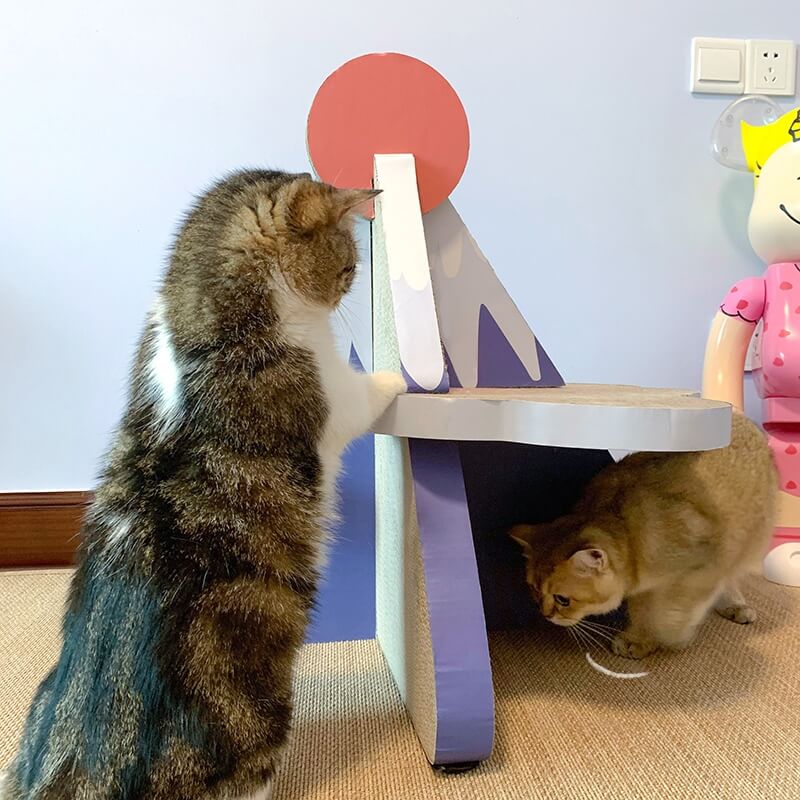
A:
721, 720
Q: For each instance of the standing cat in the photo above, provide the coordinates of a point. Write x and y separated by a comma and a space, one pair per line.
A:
671, 533
201, 552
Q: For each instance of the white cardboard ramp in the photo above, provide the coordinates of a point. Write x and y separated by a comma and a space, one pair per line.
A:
403, 240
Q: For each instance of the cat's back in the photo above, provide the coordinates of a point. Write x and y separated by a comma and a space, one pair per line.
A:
742, 472
743, 468
720, 503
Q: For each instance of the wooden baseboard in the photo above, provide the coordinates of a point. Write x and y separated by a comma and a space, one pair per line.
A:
40, 529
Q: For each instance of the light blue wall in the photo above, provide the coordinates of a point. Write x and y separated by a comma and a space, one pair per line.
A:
589, 185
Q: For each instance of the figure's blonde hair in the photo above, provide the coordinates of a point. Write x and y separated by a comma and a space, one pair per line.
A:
761, 141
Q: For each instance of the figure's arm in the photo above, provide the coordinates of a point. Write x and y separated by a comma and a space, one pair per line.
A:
726, 347
726, 351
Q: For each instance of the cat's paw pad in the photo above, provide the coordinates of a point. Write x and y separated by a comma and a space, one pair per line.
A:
389, 384
742, 615
631, 648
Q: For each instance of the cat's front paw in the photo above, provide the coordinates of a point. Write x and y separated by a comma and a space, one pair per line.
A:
389, 384
385, 386
627, 647
742, 615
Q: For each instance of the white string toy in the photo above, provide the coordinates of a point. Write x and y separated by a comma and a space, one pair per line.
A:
611, 673
589, 633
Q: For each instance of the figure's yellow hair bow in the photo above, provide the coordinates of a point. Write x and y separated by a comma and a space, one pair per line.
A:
761, 141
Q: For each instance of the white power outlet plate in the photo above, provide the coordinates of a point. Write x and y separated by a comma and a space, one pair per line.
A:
771, 67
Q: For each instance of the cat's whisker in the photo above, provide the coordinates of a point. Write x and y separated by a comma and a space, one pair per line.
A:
575, 638
595, 624
596, 643
346, 304
579, 636
601, 636
346, 323
607, 632
583, 633
598, 631
590, 642
591, 637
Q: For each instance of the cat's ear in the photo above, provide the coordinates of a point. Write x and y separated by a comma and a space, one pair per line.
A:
309, 204
523, 535
351, 200
593, 561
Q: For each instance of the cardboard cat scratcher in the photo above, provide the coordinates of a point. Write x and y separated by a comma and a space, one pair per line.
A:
489, 434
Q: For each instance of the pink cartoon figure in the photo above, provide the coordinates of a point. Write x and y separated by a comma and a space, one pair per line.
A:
770, 149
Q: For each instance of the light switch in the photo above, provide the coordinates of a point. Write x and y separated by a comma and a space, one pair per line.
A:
718, 65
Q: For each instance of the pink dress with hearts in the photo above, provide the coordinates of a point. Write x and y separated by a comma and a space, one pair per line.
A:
774, 298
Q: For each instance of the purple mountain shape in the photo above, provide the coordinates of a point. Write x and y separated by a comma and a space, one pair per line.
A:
498, 364
354, 360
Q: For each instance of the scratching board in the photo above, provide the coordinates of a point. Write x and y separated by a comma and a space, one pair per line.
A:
488, 434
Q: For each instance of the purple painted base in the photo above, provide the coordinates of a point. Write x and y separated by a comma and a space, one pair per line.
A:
345, 608
463, 676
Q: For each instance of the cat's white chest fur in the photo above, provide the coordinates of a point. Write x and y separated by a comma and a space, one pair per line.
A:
346, 393
354, 400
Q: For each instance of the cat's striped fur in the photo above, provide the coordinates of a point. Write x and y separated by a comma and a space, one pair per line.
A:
200, 554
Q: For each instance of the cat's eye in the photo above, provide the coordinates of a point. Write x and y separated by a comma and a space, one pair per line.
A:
561, 600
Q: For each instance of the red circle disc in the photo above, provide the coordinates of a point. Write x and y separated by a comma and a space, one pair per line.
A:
388, 103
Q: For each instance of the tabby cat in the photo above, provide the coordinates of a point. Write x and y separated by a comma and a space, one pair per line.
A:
671, 533
202, 550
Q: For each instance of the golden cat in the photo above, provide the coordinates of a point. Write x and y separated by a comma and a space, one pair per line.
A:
671, 533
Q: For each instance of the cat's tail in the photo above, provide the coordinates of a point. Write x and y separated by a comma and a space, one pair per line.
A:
6, 792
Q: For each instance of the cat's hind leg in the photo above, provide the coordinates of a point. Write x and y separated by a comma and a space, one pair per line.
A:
678, 609
265, 792
732, 605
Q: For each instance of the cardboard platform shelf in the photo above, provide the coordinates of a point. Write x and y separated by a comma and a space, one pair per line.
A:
488, 435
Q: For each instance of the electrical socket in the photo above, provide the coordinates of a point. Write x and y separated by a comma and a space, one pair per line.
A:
771, 67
